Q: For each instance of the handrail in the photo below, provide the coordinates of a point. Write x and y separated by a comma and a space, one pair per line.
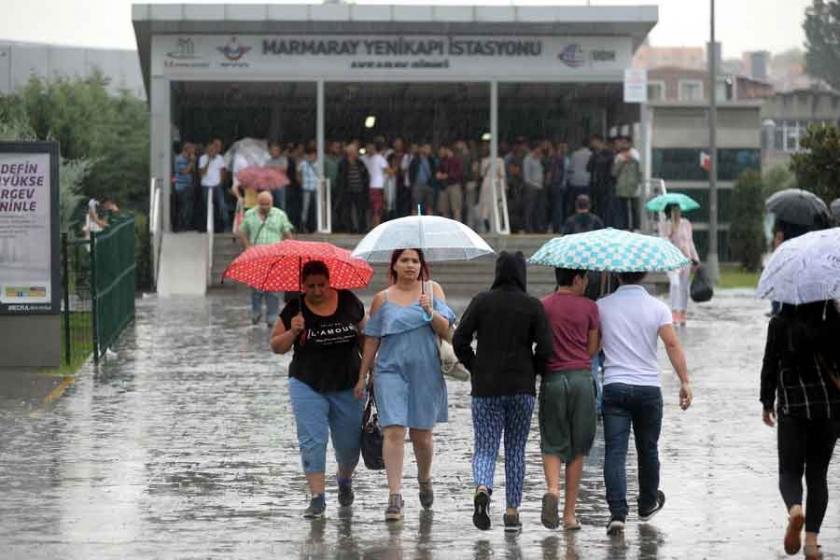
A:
156, 223
211, 233
501, 217
323, 206
651, 188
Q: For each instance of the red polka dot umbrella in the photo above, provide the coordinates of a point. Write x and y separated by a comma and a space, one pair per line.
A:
276, 267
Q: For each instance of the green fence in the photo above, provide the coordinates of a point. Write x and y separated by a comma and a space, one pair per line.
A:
99, 287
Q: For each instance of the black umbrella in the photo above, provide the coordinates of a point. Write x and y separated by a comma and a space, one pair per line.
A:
799, 207
835, 210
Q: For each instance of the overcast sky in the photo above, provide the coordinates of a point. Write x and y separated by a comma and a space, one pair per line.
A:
773, 25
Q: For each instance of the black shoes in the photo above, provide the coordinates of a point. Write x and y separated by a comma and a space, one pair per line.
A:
481, 505
345, 495
660, 503
317, 507
512, 523
615, 526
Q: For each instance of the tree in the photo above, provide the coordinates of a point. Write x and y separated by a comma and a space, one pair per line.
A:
746, 232
111, 132
822, 41
776, 179
817, 166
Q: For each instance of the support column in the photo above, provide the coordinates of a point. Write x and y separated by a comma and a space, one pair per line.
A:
646, 152
322, 204
494, 150
160, 144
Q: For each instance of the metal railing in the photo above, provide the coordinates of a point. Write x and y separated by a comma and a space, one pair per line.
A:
156, 223
211, 234
651, 188
500, 216
323, 206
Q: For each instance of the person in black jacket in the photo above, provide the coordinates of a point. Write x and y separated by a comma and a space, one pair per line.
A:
507, 323
801, 377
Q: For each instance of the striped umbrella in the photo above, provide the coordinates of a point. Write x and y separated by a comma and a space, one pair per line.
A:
610, 250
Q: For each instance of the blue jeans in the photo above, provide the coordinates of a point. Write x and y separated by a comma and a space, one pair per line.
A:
279, 196
640, 407
492, 416
321, 415
272, 305
220, 209
597, 363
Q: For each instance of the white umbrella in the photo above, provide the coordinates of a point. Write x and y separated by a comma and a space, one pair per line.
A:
804, 270
440, 239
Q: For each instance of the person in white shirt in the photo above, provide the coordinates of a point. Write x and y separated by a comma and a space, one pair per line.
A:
632, 323
377, 167
211, 167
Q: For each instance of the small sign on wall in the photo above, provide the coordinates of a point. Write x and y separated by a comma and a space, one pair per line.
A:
635, 85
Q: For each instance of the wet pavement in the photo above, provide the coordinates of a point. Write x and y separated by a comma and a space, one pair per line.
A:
183, 446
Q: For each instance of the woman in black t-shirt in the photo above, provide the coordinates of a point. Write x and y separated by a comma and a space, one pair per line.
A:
324, 328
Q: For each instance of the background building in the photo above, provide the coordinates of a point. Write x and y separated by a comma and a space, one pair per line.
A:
20, 61
786, 115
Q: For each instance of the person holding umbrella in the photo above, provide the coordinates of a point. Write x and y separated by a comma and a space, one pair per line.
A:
324, 327
800, 376
401, 354
632, 323
678, 231
264, 225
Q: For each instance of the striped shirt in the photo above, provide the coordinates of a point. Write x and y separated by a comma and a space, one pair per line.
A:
799, 378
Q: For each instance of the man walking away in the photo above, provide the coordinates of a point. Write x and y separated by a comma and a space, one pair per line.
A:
532, 174
184, 169
264, 225
632, 321
211, 167
628, 178
582, 220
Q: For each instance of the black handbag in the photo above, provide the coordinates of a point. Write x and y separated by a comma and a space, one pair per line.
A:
372, 435
701, 285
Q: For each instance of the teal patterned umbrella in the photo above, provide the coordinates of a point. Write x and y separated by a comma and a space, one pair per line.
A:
612, 250
685, 202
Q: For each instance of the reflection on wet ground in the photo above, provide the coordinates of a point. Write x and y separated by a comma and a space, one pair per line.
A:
184, 446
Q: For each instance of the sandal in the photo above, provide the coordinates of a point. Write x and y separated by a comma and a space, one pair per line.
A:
793, 533
813, 552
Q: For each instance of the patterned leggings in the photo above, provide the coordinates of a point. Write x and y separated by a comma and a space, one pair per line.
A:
491, 416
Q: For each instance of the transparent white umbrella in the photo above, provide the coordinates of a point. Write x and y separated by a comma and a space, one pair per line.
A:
804, 270
440, 239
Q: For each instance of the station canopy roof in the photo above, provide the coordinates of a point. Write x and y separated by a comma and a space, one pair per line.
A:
154, 19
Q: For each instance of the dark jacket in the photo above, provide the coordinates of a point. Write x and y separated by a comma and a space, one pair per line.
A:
414, 168
507, 322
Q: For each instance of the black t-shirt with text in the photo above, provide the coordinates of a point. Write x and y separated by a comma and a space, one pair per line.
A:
327, 353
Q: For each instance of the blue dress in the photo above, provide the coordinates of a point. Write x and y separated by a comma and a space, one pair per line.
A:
410, 390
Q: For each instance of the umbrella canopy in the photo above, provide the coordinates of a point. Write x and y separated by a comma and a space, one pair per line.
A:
440, 239
835, 210
685, 202
610, 250
277, 267
263, 178
799, 207
804, 269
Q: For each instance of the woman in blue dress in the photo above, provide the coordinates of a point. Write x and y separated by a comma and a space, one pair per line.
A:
406, 320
